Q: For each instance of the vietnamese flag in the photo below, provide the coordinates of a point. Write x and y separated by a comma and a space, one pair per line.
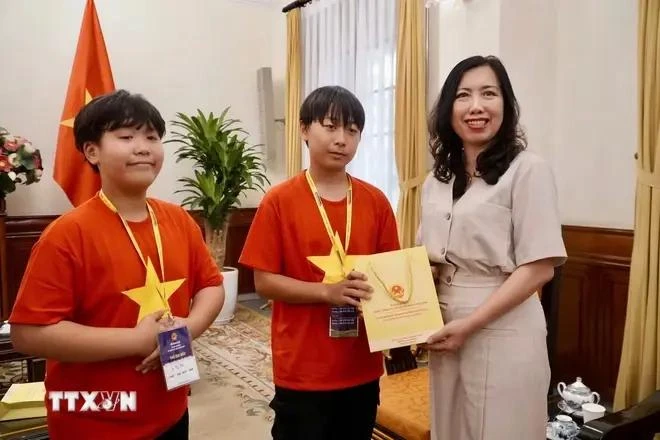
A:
90, 77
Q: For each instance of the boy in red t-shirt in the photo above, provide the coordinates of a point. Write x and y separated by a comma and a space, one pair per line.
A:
100, 278
300, 245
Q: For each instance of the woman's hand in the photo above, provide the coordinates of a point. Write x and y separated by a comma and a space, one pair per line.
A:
451, 337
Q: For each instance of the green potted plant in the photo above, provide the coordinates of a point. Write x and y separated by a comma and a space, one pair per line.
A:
225, 166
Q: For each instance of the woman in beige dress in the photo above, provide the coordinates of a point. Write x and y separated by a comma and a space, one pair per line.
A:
491, 226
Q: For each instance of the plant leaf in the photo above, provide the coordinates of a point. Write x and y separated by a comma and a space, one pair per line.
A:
224, 163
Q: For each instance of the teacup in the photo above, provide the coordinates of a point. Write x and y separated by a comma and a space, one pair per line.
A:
564, 428
591, 411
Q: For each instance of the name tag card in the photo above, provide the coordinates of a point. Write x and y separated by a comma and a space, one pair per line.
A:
177, 358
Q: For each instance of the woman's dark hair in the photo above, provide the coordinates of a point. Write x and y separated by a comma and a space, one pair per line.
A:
447, 146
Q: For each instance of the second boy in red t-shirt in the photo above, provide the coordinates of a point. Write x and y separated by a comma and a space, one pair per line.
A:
300, 245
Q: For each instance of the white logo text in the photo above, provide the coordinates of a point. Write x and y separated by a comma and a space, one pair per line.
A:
93, 400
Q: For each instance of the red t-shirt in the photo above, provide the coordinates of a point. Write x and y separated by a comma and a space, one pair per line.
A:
288, 228
77, 272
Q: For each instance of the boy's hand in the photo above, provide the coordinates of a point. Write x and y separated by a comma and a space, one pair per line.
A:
349, 291
152, 361
147, 333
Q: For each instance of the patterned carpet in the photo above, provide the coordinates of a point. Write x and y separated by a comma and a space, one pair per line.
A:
231, 399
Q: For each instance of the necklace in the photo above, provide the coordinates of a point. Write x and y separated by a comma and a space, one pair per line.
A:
334, 237
159, 245
471, 176
398, 292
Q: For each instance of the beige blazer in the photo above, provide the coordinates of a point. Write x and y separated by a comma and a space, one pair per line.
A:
491, 230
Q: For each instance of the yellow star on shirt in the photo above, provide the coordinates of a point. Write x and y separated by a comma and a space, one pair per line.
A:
69, 122
148, 296
331, 264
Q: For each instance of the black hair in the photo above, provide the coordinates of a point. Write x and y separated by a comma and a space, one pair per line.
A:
109, 112
446, 145
335, 102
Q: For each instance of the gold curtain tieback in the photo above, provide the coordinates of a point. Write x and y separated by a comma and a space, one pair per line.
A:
409, 184
648, 178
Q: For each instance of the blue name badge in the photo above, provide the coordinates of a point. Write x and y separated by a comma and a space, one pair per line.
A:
177, 358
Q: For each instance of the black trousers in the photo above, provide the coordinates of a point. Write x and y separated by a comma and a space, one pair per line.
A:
347, 414
177, 432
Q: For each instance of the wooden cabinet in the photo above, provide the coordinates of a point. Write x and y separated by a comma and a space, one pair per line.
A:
21, 234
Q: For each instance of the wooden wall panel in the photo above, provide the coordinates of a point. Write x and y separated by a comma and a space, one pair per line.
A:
592, 307
23, 232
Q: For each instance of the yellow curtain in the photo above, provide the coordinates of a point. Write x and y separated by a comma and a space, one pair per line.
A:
293, 86
410, 133
639, 371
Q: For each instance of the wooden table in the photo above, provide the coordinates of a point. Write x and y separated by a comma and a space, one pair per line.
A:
26, 429
554, 411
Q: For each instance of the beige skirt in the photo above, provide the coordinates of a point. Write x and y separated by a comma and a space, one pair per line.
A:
495, 387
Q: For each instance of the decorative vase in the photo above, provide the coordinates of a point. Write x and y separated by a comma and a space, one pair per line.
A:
216, 241
3, 205
230, 283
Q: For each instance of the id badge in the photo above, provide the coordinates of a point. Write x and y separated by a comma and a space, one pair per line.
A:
177, 358
344, 322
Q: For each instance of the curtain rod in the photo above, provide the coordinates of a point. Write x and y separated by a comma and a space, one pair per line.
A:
295, 4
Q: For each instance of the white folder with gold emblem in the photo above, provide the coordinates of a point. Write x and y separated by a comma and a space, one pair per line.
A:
403, 309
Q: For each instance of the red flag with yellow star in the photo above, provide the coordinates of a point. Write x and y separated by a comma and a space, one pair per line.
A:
90, 76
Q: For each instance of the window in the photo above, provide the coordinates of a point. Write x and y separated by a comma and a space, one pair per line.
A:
352, 43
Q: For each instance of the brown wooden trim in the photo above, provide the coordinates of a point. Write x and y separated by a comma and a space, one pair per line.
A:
242, 217
28, 226
599, 244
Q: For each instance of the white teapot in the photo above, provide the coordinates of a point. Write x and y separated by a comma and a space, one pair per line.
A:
577, 393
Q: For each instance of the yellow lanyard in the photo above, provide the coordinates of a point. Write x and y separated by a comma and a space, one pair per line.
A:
156, 229
326, 221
